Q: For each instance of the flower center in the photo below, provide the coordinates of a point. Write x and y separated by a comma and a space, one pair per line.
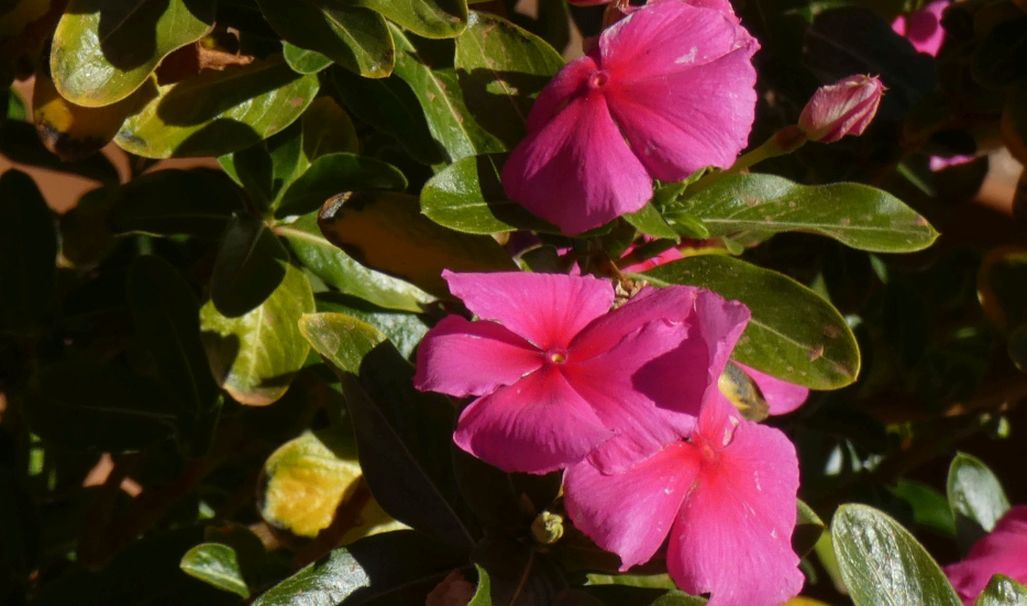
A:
598, 79
556, 356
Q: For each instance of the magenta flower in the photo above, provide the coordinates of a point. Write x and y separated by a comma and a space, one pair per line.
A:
923, 27
669, 89
1002, 551
726, 498
559, 377
844, 108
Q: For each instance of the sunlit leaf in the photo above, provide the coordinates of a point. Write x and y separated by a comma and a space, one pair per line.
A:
975, 496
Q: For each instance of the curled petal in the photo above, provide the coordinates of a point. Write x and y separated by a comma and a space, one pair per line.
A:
464, 358
547, 310
536, 425
631, 513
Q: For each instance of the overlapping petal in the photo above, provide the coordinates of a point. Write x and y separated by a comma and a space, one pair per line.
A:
631, 513
782, 397
547, 310
1002, 551
535, 425
463, 358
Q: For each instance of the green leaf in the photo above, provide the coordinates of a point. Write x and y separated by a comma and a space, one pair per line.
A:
165, 314
403, 436
1002, 591
882, 564
975, 496
103, 51
339, 270
333, 174
196, 202
483, 592
794, 334
28, 252
303, 61
649, 222
254, 356
427, 18
501, 68
250, 265
808, 529
468, 196
396, 568
856, 215
354, 37
438, 91
678, 598
929, 507
404, 329
386, 232
390, 106
217, 112
216, 564
328, 129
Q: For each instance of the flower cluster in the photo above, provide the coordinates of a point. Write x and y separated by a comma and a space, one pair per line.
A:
626, 400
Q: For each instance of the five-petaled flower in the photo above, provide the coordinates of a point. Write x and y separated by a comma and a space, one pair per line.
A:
559, 377
726, 497
667, 90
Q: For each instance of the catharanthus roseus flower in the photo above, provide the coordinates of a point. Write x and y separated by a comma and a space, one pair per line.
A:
923, 27
844, 108
1002, 551
781, 397
667, 90
558, 376
726, 498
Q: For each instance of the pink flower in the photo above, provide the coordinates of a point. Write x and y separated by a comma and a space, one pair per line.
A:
781, 396
844, 108
1002, 551
668, 89
559, 377
726, 498
923, 27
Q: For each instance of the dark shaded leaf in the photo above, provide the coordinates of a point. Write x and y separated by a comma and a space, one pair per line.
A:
20, 143
28, 253
975, 496
333, 174
251, 263
196, 202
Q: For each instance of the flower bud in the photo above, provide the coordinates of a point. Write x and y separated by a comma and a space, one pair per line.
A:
843, 108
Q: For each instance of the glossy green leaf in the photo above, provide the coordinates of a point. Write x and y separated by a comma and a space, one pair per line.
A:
392, 568
929, 507
438, 91
1002, 591
166, 316
794, 334
28, 252
336, 173
883, 564
250, 265
196, 202
483, 592
649, 222
857, 215
217, 112
386, 232
103, 51
975, 496
328, 129
304, 61
254, 356
390, 106
354, 37
328, 262
501, 68
404, 329
468, 196
427, 18
216, 564
403, 436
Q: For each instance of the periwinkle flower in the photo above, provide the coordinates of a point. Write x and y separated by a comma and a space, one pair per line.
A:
846, 107
1001, 551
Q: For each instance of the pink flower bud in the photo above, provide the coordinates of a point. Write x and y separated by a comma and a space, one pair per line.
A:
843, 108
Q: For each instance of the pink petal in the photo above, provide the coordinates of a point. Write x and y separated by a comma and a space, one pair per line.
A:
574, 168
782, 397
923, 27
464, 358
608, 382
630, 513
681, 86
733, 536
670, 304
546, 309
534, 426
1002, 551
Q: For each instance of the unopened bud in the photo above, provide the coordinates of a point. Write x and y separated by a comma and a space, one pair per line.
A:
844, 108
547, 528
